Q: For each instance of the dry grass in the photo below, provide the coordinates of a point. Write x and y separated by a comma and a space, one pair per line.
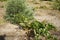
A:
2, 12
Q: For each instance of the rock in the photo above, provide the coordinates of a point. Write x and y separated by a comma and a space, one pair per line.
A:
12, 32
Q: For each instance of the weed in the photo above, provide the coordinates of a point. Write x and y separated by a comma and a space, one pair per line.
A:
17, 12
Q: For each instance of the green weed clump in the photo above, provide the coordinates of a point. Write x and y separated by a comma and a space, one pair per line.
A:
42, 29
17, 12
